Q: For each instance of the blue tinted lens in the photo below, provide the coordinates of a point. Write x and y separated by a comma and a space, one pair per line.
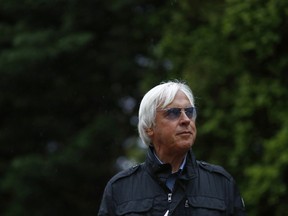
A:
189, 112
174, 113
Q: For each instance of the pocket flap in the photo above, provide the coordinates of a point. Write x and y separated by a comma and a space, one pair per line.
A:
134, 206
207, 202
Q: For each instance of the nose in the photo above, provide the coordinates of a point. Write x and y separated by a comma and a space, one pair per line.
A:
184, 118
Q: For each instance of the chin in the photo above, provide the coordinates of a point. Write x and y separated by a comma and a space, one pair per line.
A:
185, 146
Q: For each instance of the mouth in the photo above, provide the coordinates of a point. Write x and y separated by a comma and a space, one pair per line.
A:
184, 133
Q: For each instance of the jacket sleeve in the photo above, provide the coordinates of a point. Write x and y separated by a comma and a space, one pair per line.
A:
107, 207
239, 206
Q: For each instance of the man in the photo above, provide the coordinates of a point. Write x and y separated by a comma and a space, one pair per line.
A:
171, 181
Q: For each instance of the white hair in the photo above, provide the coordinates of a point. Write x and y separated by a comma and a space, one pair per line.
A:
158, 97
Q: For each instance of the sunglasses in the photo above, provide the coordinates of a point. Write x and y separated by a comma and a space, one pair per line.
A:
174, 113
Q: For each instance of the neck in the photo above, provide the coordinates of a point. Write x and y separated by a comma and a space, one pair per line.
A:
175, 160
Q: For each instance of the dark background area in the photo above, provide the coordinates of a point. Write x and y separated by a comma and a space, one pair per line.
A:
72, 74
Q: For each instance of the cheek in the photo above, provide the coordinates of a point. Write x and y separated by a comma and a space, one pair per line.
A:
194, 132
193, 126
162, 132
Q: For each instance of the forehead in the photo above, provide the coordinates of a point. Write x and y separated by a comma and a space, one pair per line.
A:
180, 100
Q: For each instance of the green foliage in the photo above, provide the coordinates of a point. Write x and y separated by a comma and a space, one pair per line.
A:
235, 59
67, 68
67, 181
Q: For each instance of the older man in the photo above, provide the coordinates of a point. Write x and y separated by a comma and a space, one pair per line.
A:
171, 181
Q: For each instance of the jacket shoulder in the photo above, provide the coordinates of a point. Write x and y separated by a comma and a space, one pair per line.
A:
214, 169
125, 173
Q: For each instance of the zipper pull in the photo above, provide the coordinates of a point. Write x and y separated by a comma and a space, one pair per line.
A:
186, 204
169, 197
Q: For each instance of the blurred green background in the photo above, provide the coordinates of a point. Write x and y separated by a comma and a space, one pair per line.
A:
73, 72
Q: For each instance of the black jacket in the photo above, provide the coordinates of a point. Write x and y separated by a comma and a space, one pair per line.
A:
202, 189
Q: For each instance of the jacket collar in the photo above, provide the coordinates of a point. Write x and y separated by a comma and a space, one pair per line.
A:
162, 171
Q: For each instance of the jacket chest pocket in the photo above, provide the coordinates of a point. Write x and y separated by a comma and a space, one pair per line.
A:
207, 206
135, 207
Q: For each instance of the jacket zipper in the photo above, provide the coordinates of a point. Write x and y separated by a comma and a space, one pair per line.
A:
169, 201
169, 197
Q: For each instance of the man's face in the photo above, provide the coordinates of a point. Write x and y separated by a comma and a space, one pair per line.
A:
176, 135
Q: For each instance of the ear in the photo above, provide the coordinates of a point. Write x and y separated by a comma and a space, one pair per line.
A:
149, 132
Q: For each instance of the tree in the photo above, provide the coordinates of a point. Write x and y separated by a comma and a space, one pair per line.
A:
73, 72
234, 58
67, 68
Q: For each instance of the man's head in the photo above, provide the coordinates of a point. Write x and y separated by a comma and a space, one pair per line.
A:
167, 114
